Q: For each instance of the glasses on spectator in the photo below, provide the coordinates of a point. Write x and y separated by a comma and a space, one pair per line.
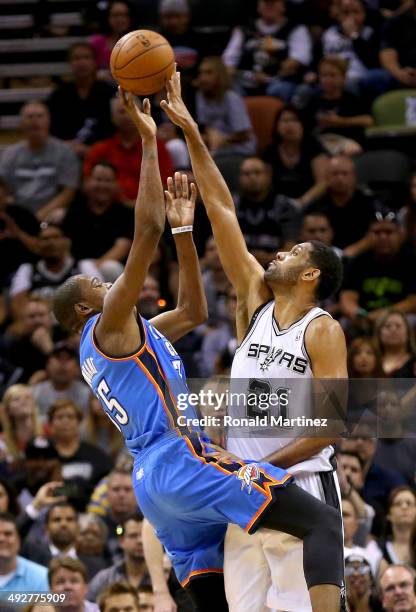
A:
361, 570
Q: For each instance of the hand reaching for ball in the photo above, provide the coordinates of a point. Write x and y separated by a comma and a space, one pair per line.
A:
143, 120
174, 106
180, 204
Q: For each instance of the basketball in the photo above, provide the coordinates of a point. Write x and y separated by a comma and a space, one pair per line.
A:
142, 61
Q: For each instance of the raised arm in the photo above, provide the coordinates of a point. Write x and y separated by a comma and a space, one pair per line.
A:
191, 309
149, 219
241, 268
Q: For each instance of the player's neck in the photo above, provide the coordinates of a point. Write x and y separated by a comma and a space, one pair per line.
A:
290, 307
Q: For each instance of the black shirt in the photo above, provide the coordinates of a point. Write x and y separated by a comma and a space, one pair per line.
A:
349, 222
84, 119
12, 251
381, 283
93, 235
295, 181
348, 105
400, 34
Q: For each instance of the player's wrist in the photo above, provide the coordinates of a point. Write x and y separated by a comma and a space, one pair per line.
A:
182, 229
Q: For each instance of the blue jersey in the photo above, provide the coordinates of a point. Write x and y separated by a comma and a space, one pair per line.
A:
139, 392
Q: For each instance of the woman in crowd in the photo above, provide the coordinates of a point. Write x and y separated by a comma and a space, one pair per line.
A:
20, 421
117, 23
401, 516
364, 359
100, 431
396, 341
298, 161
221, 112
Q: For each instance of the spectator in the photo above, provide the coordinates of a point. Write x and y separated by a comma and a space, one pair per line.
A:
397, 589
118, 21
16, 573
92, 539
359, 583
364, 359
99, 503
221, 112
270, 54
83, 464
356, 41
41, 171
398, 53
396, 341
99, 430
123, 151
340, 116
28, 350
316, 226
18, 231
69, 576
96, 212
299, 162
117, 597
401, 516
370, 553
407, 214
8, 498
121, 504
19, 420
215, 282
53, 268
31, 521
269, 222
131, 568
349, 210
380, 279
84, 102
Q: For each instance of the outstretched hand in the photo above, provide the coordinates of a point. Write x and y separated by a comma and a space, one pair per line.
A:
180, 205
174, 106
143, 120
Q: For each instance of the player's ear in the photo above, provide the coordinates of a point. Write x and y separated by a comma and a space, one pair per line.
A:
311, 274
81, 308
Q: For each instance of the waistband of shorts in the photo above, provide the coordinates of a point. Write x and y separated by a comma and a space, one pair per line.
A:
160, 441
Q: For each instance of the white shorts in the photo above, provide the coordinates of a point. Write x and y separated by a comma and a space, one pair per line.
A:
264, 571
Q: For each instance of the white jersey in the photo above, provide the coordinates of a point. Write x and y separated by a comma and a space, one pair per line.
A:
274, 361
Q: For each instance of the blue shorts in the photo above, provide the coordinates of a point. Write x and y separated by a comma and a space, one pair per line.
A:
190, 499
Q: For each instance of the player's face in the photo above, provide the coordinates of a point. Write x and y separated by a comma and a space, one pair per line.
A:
287, 266
94, 291
397, 590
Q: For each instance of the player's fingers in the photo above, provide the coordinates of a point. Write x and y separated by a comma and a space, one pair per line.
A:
178, 184
171, 187
185, 188
193, 193
146, 106
168, 199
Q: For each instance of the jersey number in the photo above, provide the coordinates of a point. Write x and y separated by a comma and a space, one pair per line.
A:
116, 411
260, 393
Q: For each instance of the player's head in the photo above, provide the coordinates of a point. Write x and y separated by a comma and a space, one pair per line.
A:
77, 299
311, 265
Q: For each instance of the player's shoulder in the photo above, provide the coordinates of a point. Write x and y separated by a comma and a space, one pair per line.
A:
322, 329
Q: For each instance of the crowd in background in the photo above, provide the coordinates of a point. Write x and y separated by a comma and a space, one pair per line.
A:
67, 191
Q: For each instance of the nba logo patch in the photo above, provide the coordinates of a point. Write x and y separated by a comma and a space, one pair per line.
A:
248, 474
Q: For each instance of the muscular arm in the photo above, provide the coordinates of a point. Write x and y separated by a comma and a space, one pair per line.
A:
325, 344
191, 309
118, 311
241, 268
153, 555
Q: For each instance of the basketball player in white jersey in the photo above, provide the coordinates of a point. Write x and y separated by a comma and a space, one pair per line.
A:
282, 334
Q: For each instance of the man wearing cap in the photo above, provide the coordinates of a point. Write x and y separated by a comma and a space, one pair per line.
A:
383, 277
62, 380
397, 589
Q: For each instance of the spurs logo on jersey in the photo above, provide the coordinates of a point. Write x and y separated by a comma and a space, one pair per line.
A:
268, 360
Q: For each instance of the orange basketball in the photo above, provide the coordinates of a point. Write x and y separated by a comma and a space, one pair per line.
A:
142, 61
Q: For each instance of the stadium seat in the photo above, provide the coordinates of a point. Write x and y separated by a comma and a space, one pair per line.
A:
229, 166
263, 111
385, 172
394, 114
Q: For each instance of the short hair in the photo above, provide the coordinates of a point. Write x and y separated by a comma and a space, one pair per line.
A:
350, 453
117, 588
330, 266
63, 304
404, 566
62, 504
79, 45
104, 164
73, 565
337, 62
7, 517
136, 517
62, 403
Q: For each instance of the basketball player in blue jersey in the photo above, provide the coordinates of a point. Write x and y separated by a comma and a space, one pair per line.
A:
186, 491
